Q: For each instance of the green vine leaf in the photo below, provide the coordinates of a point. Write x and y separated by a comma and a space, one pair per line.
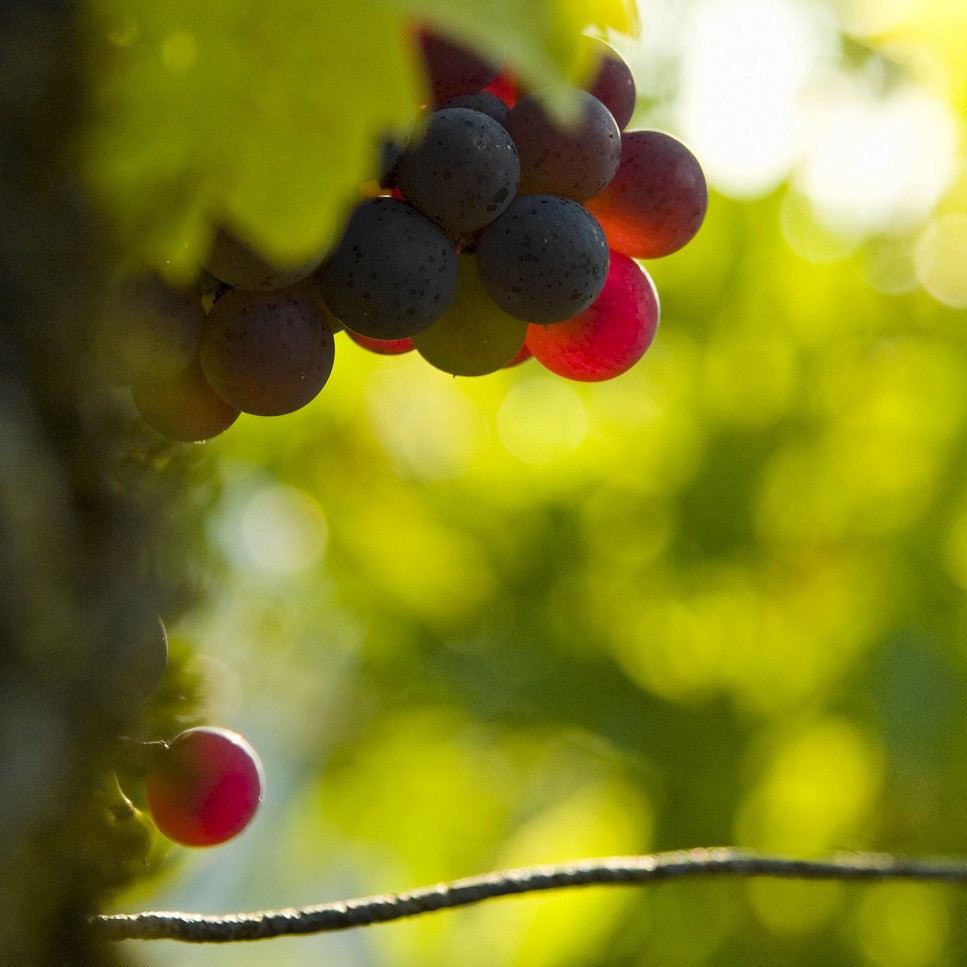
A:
269, 122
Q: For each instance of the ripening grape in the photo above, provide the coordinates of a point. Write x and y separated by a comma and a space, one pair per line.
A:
484, 102
451, 68
151, 335
392, 273
266, 353
575, 161
613, 84
184, 407
610, 336
473, 337
236, 263
204, 786
656, 202
460, 169
382, 347
544, 260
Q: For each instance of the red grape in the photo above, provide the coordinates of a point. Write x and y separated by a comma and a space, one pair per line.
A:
613, 83
184, 407
267, 353
609, 337
656, 202
204, 786
573, 162
383, 347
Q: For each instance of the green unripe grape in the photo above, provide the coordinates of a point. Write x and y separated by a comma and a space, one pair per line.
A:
474, 336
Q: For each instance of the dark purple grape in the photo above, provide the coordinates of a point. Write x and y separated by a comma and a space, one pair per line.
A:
392, 273
574, 162
266, 353
460, 170
452, 69
613, 84
657, 201
154, 333
484, 102
544, 260
184, 407
236, 263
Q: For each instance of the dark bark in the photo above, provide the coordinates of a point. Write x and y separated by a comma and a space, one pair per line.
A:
80, 511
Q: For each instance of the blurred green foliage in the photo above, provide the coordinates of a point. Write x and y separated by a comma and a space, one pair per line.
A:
482, 623
269, 120
478, 623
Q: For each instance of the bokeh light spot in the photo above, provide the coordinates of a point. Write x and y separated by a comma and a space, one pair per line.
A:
284, 530
940, 257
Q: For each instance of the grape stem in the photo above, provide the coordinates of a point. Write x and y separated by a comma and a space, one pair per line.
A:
615, 870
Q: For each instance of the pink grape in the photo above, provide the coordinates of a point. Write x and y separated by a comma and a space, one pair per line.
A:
204, 787
656, 202
610, 336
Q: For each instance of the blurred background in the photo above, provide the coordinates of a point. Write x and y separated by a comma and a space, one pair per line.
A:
471, 624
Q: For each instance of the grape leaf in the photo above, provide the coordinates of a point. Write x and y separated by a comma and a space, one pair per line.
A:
267, 119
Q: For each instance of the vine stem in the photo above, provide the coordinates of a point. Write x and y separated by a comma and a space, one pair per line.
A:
720, 861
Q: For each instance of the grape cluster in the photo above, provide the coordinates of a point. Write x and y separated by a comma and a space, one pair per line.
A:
493, 234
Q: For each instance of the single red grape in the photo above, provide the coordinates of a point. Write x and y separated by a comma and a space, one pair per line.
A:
204, 787
608, 338
383, 347
573, 162
656, 202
